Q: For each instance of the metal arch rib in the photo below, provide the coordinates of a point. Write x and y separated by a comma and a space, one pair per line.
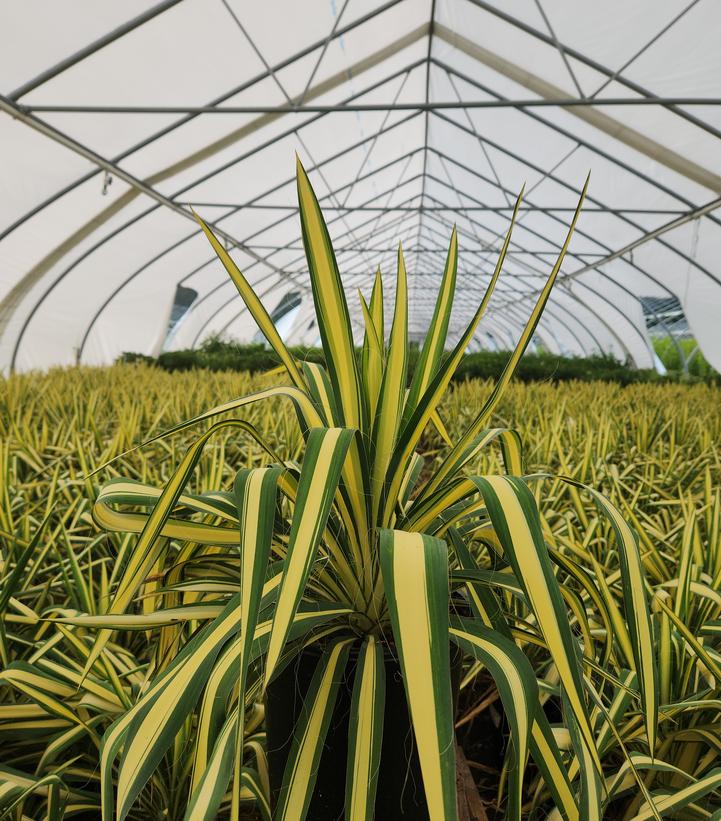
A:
708, 207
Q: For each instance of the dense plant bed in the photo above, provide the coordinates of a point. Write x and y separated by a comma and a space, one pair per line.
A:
69, 419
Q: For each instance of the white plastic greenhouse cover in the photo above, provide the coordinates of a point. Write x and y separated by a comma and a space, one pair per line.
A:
409, 115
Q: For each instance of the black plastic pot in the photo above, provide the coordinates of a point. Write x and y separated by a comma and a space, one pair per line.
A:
400, 785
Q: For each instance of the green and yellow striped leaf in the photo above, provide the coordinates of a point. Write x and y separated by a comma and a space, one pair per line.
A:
322, 463
515, 519
636, 608
254, 305
255, 492
517, 686
149, 545
372, 354
415, 575
365, 732
669, 803
451, 463
330, 305
418, 419
390, 402
309, 736
434, 343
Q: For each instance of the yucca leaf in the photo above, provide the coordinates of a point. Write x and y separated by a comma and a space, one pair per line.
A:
251, 783
11, 582
224, 676
516, 682
418, 419
308, 416
154, 725
309, 736
415, 575
590, 798
451, 463
116, 521
547, 757
624, 779
365, 732
390, 401
330, 305
352, 495
321, 390
336, 334
158, 618
484, 605
16, 787
147, 729
435, 339
254, 305
148, 548
542, 744
511, 450
324, 455
207, 796
638, 616
373, 345
515, 519
441, 429
678, 799
255, 491
696, 646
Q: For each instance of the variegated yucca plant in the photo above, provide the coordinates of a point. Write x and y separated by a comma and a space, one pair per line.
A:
358, 548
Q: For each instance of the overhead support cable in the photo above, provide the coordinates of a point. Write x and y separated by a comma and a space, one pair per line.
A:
495, 209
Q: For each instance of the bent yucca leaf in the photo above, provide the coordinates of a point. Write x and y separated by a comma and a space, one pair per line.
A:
255, 493
415, 575
638, 616
515, 519
148, 548
365, 732
517, 686
320, 472
302, 767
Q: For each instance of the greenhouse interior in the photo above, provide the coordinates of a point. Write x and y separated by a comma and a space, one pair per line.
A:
360, 410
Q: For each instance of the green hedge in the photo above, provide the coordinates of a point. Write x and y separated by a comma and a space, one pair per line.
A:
217, 355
